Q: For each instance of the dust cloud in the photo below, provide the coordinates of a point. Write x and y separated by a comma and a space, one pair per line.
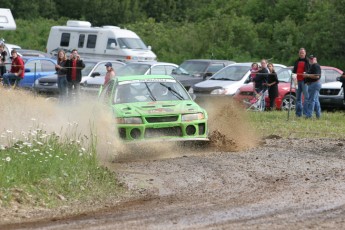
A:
23, 112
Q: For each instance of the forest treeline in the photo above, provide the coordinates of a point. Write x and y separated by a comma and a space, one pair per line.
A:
239, 30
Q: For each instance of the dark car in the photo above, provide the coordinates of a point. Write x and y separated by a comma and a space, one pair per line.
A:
285, 100
194, 71
92, 68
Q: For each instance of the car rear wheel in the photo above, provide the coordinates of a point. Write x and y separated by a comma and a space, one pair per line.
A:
289, 101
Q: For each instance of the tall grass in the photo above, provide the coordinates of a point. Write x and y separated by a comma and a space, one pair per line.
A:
46, 168
280, 123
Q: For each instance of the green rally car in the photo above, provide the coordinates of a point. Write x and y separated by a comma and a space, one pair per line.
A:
150, 107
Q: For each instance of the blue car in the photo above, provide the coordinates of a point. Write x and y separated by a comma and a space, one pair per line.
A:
36, 67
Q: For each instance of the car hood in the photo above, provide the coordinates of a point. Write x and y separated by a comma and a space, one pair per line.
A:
331, 85
215, 83
50, 78
156, 108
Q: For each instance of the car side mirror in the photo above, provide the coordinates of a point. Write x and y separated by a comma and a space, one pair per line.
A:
95, 74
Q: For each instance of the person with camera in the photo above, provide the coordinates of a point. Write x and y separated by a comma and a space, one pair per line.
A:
312, 79
74, 65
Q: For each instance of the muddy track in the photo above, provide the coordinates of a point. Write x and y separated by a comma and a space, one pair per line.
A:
285, 184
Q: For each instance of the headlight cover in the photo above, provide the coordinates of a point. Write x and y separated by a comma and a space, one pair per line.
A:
129, 120
193, 117
191, 90
219, 91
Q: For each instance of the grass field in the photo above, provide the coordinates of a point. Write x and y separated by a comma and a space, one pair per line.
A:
330, 125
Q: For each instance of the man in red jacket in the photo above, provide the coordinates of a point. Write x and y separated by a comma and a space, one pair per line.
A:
301, 66
17, 70
74, 65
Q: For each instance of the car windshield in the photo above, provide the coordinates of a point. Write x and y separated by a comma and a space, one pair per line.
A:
192, 67
133, 69
147, 91
231, 73
284, 75
88, 67
131, 43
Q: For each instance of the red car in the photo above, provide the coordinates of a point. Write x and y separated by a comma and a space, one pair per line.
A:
328, 74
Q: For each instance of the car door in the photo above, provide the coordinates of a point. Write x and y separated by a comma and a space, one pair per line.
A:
35, 69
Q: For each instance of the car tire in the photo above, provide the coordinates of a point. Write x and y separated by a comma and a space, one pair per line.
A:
286, 102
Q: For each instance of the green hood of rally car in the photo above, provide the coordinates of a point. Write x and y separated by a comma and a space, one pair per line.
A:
156, 107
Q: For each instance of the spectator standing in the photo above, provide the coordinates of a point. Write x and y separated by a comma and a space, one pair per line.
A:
260, 81
312, 79
3, 55
110, 72
272, 84
74, 65
17, 70
301, 66
61, 74
342, 80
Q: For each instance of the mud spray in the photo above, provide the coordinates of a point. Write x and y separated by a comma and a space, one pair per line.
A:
22, 112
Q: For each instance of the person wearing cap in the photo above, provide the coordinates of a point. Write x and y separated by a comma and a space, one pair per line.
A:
73, 67
312, 79
110, 72
300, 67
17, 70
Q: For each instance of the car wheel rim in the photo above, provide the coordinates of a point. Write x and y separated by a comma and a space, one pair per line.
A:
286, 104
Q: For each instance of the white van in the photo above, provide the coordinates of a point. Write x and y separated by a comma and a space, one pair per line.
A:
110, 42
6, 20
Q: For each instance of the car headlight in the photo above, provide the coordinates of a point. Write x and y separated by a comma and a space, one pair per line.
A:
193, 116
191, 90
218, 91
129, 120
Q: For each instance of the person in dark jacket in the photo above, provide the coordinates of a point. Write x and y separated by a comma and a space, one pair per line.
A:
301, 66
61, 74
74, 65
3, 55
272, 84
312, 79
260, 81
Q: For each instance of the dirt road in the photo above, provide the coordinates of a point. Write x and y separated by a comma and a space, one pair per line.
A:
285, 184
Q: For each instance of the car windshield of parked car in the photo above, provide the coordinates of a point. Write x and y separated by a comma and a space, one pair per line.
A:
133, 69
193, 67
131, 43
284, 75
148, 91
88, 67
231, 73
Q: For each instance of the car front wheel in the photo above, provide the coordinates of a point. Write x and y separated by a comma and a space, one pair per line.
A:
289, 100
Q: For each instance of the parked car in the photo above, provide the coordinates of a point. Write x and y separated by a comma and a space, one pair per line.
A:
284, 100
155, 107
35, 68
94, 68
131, 68
226, 81
332, 95
193, 71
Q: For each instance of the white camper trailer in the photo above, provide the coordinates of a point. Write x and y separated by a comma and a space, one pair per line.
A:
6, 20
98, 42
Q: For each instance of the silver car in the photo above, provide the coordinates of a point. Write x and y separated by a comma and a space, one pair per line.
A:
131, 68
92, 68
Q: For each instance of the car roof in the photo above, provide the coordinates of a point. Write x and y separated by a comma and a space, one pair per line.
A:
28, 58
150, 63
142, 77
